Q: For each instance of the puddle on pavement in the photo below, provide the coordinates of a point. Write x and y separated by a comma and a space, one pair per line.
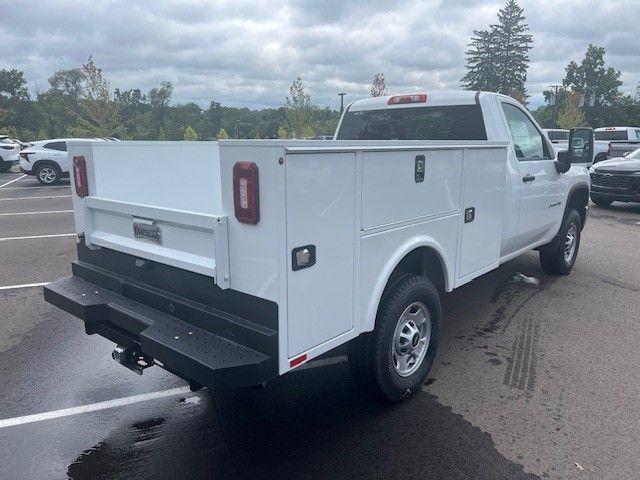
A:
312, 424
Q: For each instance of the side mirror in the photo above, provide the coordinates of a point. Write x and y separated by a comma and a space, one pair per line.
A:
580, 149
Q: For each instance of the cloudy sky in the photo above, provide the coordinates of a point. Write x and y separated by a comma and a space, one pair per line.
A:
246, 53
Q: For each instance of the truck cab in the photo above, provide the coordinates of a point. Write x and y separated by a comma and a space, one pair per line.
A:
278, 251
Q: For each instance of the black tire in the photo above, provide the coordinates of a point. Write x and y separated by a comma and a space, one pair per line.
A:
5, 166
601, 201
371, 355
48, 173
557, 261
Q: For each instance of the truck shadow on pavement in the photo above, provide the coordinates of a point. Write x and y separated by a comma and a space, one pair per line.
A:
314, 423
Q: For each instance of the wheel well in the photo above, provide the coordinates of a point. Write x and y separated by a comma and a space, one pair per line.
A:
37, 164
579, 200
421, 261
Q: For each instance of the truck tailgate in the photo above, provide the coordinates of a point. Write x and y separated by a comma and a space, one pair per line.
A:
156, 201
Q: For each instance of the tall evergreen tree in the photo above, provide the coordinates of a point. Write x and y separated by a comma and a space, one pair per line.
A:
481, 53
498, 58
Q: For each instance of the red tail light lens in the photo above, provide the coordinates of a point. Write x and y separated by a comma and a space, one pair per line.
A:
245, 192
401, 99
80, 176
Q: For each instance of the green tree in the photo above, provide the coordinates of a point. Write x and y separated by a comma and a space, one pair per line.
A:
14, 98
299, 111
161, 135
378, 86
222, 134
481, 53
282, 132
190, 133
598, 84
159, 98
498, 58
97, 114
69, 82
593, 79
571, 115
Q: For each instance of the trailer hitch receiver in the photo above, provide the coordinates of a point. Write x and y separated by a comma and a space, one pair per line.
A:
132, 359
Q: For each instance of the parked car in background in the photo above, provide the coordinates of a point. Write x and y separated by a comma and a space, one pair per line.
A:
47, 160
616, 179
559, 137
605, 135
9, 151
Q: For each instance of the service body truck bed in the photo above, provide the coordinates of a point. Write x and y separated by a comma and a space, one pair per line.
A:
268, 253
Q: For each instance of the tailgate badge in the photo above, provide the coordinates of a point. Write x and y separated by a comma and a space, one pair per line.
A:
147, 230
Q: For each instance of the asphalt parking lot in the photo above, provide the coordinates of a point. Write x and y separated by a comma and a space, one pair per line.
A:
531, 381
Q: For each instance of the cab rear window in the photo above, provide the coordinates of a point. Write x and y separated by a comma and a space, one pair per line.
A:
455, 122
611, 135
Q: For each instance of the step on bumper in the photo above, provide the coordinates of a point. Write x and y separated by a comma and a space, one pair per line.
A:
195, 354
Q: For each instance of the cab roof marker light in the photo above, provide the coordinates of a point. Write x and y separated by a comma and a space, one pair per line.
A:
403, 99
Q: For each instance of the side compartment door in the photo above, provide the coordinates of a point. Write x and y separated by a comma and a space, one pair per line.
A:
321, 199
483, 205
541, 204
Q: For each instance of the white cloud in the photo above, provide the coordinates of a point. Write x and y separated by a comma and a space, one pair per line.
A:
248, 52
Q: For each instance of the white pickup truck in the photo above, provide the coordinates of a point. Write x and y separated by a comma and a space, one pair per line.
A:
267, 253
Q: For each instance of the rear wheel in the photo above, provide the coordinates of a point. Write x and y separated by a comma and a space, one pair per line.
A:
560, 260
48, 174
601, 201
393, 361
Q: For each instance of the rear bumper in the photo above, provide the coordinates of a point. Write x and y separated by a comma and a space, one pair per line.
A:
190, 338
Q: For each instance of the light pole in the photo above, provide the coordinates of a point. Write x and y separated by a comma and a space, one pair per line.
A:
341, 95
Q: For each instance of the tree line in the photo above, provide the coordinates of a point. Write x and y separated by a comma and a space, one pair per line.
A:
79, 102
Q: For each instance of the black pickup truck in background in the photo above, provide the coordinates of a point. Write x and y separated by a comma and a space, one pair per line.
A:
618, 178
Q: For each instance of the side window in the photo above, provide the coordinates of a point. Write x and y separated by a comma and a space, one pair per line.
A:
527, 140
61, 146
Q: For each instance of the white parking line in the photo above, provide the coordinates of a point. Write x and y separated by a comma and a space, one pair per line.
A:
11, 181
93, 407
35, 213
34, 198
31, 237
26, 285
35, 188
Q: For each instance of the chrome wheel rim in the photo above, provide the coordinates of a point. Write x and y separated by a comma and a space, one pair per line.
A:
411, 339
47, 175
570, 242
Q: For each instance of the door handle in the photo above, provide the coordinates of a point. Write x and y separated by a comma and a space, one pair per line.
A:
528, 178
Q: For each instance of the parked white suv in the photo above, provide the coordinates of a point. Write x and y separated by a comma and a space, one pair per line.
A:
47, 160
9, 151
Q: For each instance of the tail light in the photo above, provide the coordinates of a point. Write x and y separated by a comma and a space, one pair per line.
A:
80, 176
25, 156
401, 99
245, 192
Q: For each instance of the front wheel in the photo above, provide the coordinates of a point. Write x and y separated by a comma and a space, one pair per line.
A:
48, 174
560, 260
5, 166
393, 361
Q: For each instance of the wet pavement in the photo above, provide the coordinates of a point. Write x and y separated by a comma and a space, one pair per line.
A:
529, 381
